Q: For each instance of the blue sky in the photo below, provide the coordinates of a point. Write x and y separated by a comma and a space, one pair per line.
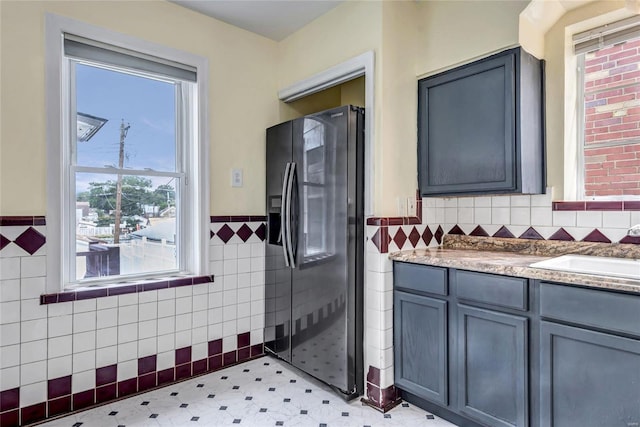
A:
147, 105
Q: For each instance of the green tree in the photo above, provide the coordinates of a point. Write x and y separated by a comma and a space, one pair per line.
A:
135, 193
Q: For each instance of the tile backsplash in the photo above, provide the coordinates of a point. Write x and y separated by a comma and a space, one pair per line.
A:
67, 355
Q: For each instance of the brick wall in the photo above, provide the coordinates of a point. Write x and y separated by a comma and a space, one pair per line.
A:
612, 120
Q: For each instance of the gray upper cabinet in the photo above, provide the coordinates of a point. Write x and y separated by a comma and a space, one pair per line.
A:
481, 128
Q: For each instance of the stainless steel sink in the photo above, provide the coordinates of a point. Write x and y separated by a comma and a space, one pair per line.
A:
601, 266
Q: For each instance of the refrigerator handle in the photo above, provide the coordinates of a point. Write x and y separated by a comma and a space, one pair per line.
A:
288, 243
283, 213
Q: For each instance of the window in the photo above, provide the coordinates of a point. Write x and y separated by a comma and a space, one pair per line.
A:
130, 161
609, 104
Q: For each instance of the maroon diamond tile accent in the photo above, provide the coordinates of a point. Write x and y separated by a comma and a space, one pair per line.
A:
211, 234
244, 232
563, 235
261, 231
631, 239
596, 236
427, 235
30, 240
3, 242
457, 230
400, 238
479, 231
414, 237
504, 233
531, 234
438, 234
225, 233
382, 239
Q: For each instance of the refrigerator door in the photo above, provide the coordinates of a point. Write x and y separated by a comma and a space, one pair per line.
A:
324, 326
277, 274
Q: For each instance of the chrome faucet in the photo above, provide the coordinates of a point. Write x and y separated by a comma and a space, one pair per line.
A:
634, 231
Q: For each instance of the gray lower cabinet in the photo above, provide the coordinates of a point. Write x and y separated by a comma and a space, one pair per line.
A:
420, 338
493, 367
588, 378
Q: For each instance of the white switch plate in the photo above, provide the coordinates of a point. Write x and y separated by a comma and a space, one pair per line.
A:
236, 177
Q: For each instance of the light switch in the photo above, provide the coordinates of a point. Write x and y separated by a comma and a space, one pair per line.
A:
236, 177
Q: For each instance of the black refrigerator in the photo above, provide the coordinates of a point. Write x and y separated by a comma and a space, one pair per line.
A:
315, 246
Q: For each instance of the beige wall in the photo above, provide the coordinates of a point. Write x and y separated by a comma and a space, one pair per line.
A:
242, 100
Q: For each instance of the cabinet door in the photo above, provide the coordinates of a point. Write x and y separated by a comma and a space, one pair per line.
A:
466, 129
420, 346
493, 365
588, 379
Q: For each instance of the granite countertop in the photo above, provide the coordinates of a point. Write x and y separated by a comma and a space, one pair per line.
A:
509, 264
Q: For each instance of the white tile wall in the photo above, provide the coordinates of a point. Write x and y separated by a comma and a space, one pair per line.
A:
41, 342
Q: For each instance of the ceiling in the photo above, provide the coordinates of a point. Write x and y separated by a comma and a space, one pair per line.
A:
272, 19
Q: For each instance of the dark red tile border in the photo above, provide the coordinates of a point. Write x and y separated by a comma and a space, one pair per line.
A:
215, 347
84, 399
106, 393
33, 413
598, 205
237, 218
183, 355
59, 406
199, 366
59, 387
126, 387
10, 399
106, 375
229, 358
61, 401
183, 371
166, 376
147, 382
10, 418
121, 290
373, 376
9, 221
147, 364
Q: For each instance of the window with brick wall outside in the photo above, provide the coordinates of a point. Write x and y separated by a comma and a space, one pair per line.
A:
610, 86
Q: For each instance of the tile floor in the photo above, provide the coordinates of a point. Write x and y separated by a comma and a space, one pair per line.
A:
262, 392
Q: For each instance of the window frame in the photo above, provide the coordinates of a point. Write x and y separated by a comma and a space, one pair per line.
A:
60, 201
616, 32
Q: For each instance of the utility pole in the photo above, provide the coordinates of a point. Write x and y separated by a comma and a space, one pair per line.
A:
123, 135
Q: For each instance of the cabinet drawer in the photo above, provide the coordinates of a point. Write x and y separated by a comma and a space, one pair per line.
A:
421, 278
591, 307
502, 291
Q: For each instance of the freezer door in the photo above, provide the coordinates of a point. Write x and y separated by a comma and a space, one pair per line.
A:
323, 279
277, 275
